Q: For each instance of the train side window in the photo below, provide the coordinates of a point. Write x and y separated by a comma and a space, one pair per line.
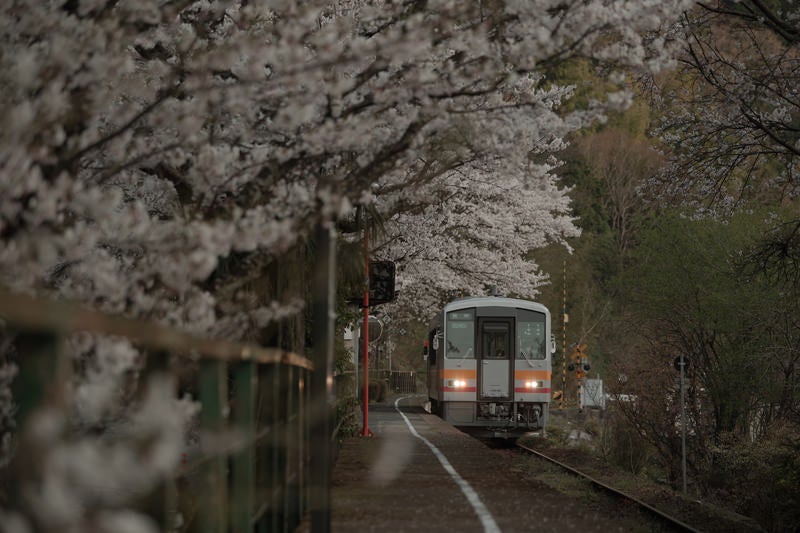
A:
531, 340
432, 347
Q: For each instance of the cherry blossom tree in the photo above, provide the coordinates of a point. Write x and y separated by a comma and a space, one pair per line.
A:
477, 234
144, 144
733, 113
138, 132
731, 120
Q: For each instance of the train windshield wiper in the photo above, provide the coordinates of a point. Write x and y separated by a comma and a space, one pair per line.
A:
526, 357
464, 356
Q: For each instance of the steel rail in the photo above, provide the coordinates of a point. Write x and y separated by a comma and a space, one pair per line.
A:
658, 514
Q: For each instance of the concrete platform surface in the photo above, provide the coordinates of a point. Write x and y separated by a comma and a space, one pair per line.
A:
418, 473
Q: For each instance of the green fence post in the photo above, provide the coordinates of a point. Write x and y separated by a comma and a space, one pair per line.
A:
298, 444
39, 383
162, 503
302, 438
242, 496
213, 382
321, 380
41, 375
271, 460
290, 464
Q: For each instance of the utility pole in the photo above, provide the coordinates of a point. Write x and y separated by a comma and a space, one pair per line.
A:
365, 431
564, 340
682, 363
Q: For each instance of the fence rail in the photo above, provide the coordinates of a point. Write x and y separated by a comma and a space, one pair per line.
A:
270, 471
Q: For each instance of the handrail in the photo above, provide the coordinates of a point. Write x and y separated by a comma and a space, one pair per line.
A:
25, 312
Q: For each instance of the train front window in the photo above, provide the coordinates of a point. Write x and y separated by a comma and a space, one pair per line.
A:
531, 335
460, 334
496, 340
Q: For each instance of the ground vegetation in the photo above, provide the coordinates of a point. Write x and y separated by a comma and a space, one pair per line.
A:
709, 270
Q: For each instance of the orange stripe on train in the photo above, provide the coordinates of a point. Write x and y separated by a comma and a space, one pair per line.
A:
459, 374
532, 374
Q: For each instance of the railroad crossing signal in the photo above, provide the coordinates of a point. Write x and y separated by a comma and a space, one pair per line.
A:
579, 353
580, 361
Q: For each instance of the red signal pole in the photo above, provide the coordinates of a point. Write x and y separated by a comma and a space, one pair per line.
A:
365, 431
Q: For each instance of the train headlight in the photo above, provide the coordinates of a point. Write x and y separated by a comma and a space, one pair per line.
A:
533, 384
457, 383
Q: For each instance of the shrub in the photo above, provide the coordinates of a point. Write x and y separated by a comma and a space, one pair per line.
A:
761, 479
622, 445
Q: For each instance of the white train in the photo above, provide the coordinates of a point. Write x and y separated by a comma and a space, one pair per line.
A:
489, 364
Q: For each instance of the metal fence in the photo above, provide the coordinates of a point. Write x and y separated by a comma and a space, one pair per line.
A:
402, 381
274, 472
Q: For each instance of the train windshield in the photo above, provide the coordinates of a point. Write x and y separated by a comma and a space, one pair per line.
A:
531, 335
460, 334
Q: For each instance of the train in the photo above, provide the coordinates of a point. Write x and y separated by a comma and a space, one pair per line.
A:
489, 363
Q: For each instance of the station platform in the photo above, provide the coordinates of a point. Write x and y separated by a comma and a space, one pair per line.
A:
419, 473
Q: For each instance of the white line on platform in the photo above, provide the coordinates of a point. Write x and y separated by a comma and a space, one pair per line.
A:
489, 525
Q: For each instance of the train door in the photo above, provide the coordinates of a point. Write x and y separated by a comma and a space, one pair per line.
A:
495, 338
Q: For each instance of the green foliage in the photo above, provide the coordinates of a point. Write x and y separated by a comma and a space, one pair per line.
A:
407, 336
635, 120
622, 445
694, 288
767, 475
687, 289
346, 416
723, 292
587, 208
558, 436
377, 390
591, 84
577, 72
346, 385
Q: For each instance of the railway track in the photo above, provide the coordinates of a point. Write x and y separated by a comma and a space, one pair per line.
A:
666, 521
